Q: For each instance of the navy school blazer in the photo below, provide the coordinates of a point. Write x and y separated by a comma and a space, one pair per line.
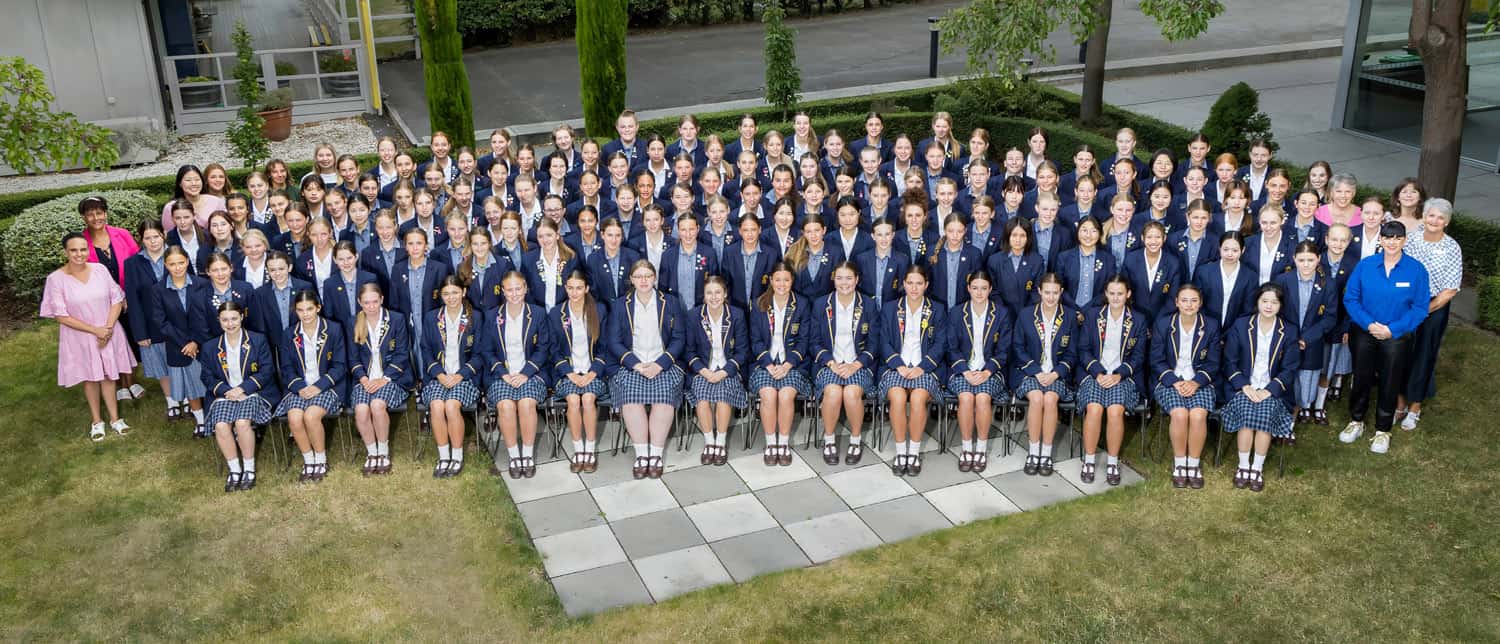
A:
795, 334
995, 338
1240, 345
668, 320
535, 288
887, 148
265, 315
1074, 213
733, 149
399, 298
1208, 251
1317, 232
863, 242
733, 269
257, 367
1160, 297
1173, 221
489, 294
704, 264
332, 364
1281, 262
395, 352
1107, 168
1205, 352
574, 240
888, 285
432, 338
770, 239
370, 259
1069, 268
736, 341
1134, 328
1210, 280
560, 325
1314, 324
1027, 343
536, 340
606, 287
140, 281
174, 320
933, 319
969, 261
731, 235
991, 238
1062, 239
335, 298
1339, 277
1016, 287
866, 321
815, 287
902, 243
204, 312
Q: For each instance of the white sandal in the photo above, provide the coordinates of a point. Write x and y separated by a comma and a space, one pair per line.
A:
96, 432
120, 427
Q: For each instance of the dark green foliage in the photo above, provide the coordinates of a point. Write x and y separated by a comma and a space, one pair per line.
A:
1235, 120
503, 22
447, 83
783, 78
244, 133
989, 95
30, 245
601, 63
1481, 243
1489, 303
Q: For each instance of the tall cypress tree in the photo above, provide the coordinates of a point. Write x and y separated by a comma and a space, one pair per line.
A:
601, 62
449, 106
783, 78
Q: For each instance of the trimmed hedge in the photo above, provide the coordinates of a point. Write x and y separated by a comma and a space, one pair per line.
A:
30, 245
1489, 303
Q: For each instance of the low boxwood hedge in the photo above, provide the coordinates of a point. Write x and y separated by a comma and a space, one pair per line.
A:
30, 246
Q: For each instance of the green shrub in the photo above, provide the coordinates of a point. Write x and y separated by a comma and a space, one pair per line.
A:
783, 77
990, 96
449, 104
1489, 303
30, 246
601, 61
1235, 120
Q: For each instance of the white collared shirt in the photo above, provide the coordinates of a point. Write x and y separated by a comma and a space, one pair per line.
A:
778, 331
716, 357
451, 336
1267, 258
1184, 367
322, 268
1260, 375
911, 336
515, 350
1227, 278
976, 333
234, 372
843, 332
578, 351
255, 276
1049, 331
372, 325
1111, 354
646, 340
309, 356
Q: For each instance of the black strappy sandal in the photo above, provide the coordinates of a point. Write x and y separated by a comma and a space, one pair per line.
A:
247, 481
1045, 466
1112, 474
441, 471
232, 482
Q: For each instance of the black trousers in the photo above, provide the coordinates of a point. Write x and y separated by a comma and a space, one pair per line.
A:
1382, 364
1422, 383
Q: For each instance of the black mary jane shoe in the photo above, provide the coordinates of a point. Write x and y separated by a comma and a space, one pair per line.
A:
372, 464
306, 474
1112, 474
1241, 478
966, 461
455, 468
1033, 464
898, 466
854, 453
1045, 466
528, 467
642, 466
173, 414
914, 468
441, 471
831, 453
1195, 478
1180, 476
247, 481
232, 482
657, 468
1087, 473
981, 461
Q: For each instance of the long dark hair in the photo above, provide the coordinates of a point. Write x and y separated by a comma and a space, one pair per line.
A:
590, 308
182, 171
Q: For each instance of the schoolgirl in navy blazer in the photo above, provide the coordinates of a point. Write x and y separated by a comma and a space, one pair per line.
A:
257, 368
1027, 346
536, 289
1133, 341
395, 352
866, 330
605, 285
996, 338
969, 261
332, 360
1281, 262
669, 321
1016, 286
471, 360
1068, 268
1314, 324
1210, 280
886, 285
204, 303
902, 243
140, 283
560, 332
536, 341
175, 321
733, 270
795, 334
335, 298
1208, 251
1205, 354
934, 336
1240, 345
736, 342
1158, 297
265, 315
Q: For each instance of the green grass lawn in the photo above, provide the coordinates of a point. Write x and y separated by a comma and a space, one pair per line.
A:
132, 539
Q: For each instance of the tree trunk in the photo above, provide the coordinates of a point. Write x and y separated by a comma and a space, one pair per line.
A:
1439, 35
749, 10
1092, 104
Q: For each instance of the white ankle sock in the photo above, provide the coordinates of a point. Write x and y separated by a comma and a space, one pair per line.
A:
1259, 463
1111, 460
914, 448
588, 445
577, 446
1179, 461
320, 458
382, 448
1046, 451
458, 454
198, 415
982, 446
372, 449
642, 450
1244, 460
445, 453
234, 465
856, 440
514, 452
1192, 462
249, 465
528, 451
172, 402
307, 458
1034, 449
900, 448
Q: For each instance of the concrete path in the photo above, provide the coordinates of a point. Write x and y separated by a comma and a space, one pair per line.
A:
539, 83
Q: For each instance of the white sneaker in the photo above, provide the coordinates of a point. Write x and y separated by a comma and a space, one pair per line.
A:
1381, 443
1410, 422
122, 393
96, 432
1351, 432
120, 427
137, 392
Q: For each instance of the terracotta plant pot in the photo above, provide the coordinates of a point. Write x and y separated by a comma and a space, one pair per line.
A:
278, 125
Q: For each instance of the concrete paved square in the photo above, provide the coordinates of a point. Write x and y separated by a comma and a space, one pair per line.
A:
731, 517
559, 514
673, 573
903, 518
759, 477
1032, 492
868, 485
701, 484
800, 501
601, 589
759, 553
578, 550
1071, 468
833, 536
633, 498
551, 479
655, 533
970, 501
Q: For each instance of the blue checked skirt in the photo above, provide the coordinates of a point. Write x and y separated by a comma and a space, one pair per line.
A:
154, 360
253, 408
533, 389
1059, 387
862, 379
1269, 415
890, 380
994, 387
1169, 399
465, 393
761, 379
1123, 394
1337, 360
631, 388
565, 388
728, 390
328, 399
187, 384
393, 395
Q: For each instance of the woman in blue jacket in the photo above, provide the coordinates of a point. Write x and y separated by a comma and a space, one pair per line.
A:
1262, 357
718, 345
238, 373
581, 366
514, 345
450, 345
979, 339
912, 339
778, 377
380, 371
1045, 352
1185, 358
312, 367
845, 332
1112, 350
646, 333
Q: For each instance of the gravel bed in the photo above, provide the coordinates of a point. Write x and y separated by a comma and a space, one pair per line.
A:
351, 135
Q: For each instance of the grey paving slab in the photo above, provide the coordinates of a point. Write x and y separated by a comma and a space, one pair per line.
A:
868, 485
970, 501
759, 553
559, 514
578, 550
903, 518
612, 469
701, 484
1071, 468
813, 456
730, 517
758, 476
1032, 492
1001, 464
655, 533
551, 479
633, 498
832, 536
600, 589
800, 501
673, 573
939, 470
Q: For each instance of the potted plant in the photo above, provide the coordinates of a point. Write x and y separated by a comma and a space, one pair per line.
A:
276, 111
339, 63
196, 97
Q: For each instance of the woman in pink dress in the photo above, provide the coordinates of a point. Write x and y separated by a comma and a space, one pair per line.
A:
91, 344
110, 247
